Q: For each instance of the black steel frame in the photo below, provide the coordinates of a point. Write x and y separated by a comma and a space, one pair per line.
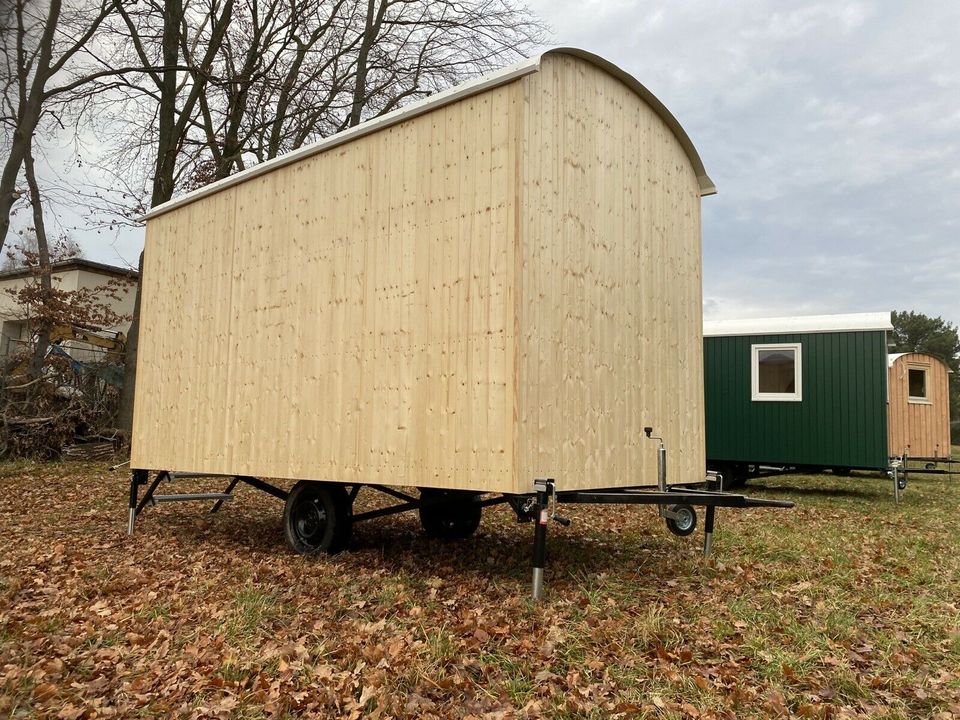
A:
142, 477
906, 468
897, 469
536, 506
709, 499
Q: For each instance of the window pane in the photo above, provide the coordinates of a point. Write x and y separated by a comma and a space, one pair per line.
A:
776, 371
918, 383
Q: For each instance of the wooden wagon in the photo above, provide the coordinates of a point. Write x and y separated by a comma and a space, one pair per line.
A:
806, 394
497, 284
918, 408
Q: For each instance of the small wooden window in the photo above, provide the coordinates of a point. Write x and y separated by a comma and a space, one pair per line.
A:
776, 372
917, 384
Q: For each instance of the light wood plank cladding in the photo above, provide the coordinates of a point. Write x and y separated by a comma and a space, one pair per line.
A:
610, 286
502, 288
918, 428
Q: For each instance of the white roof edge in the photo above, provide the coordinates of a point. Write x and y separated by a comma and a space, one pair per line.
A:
706, 184
848, 322
893, 357
446, 97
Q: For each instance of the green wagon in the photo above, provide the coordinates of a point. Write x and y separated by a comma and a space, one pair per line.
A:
796, 394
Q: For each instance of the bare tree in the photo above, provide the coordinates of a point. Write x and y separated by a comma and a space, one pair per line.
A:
45, 58
412, 48
312, 69
45, 49
160, 36
236, 82
273, 52
22, 253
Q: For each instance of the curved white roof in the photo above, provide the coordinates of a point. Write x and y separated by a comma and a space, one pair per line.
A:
849, 322
458, 92
893, 357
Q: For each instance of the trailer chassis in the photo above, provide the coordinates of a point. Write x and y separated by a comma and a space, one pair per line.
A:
675, 504
936, 465
897, 470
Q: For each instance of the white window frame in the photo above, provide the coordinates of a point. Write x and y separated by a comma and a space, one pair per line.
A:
915, 399
797, 394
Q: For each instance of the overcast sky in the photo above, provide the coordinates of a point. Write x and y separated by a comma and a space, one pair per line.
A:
832, 132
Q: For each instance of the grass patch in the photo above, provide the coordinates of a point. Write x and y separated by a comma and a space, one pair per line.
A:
252, 614
845, 606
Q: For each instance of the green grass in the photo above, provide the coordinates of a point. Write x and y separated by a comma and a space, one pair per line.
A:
252, 613
845, 606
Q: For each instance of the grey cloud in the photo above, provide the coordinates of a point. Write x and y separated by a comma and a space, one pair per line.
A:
832, 131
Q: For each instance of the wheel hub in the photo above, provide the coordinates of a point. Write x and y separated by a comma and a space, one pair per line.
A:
310, 521
684, 519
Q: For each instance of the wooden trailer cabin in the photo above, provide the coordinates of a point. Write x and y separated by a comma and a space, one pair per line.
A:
499, 283
796, 392
918, 417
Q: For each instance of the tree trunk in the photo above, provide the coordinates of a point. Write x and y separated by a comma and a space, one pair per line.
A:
30, 97
125, 416
35, 369
167, 141
8, 181
171, 132
163, 180
371, 29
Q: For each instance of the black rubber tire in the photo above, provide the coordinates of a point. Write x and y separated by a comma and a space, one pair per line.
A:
684, 526
317, 518
456, 518
902, 482
841, 471
734, 476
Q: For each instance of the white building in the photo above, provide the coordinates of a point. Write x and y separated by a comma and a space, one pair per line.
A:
68, 275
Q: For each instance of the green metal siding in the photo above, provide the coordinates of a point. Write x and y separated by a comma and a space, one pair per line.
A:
840, 422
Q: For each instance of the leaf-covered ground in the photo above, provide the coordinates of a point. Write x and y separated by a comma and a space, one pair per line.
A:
847, 606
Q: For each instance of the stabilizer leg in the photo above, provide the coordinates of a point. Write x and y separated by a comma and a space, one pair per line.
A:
711, 512
137, 478
544, 489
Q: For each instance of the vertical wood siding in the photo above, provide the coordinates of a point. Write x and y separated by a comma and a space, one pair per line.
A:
841, 421
505, 287
609, 336
346, 317
919, 429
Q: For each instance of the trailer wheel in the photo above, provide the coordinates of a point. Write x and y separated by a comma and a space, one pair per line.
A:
456, 518
734, 476
902, 481
685, 524
317, 518
841, 471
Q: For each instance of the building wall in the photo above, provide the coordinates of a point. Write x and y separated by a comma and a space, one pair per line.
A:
917, 428
347, 317
126, 290
11, 310
840, 422
610, 286
503, 288
16, 332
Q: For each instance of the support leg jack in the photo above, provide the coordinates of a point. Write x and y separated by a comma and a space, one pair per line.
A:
710, 516
544, 489
137, 478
